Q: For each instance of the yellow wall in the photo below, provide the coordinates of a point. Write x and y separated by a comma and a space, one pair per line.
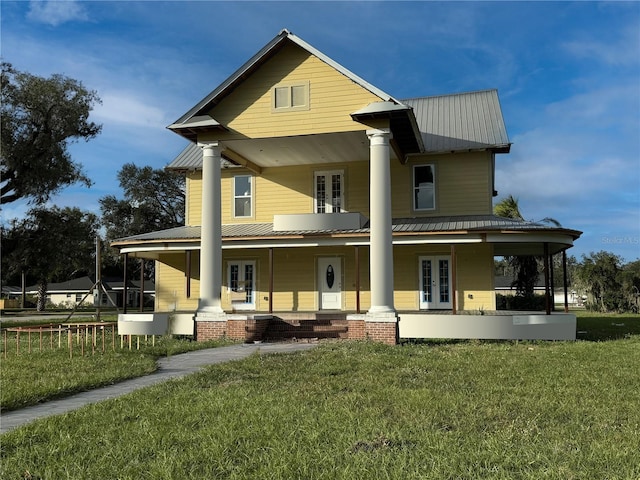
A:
462, 182
463, 187
333, 97
296, 279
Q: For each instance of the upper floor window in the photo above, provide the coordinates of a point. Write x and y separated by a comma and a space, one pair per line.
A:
242, 196
424, 193
329, 192
290, 97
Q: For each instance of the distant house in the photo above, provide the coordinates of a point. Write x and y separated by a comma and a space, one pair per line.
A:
71, 292
314, 195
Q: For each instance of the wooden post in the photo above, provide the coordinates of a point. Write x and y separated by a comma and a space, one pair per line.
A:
357, 262
564, 281
142, 284
454, 306
6, 343
18, 341
546, 279
23, 278
187, 272
40, 329
29, 340
270, 279
125, 287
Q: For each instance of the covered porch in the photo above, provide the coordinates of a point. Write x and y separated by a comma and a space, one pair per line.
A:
286, 271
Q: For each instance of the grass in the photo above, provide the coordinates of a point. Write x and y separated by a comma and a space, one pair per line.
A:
497, 410
50, 373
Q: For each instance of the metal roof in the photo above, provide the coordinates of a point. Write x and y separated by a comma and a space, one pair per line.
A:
461, 122
446, 224
191, 159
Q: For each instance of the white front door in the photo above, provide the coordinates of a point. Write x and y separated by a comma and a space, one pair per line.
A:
241, 284
330, 283
435, 283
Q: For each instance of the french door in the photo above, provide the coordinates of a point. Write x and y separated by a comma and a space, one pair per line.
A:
435, 282
241, 284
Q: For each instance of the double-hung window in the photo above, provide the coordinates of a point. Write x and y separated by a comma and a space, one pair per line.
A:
424, 192
329, 194
242, 196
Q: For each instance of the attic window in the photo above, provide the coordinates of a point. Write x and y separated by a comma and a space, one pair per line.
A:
290, 97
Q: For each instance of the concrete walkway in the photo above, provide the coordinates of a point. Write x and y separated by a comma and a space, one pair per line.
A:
175, 366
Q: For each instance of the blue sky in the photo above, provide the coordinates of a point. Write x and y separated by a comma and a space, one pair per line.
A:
568, 76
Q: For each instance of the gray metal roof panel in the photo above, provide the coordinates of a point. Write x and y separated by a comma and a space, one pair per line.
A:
400, 225
191, 159
463, 121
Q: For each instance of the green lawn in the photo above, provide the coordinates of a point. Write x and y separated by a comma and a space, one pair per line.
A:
446, 410
50, 372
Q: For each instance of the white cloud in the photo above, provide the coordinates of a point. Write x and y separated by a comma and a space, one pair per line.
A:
621, 51
127, 109
55, 13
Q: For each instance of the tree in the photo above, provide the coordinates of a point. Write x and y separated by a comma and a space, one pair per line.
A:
51, 245
610, 285
40, 118
525, 268
154, 199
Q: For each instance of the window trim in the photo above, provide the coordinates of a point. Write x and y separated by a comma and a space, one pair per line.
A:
290, 107
329, 173
413, 188
237, 197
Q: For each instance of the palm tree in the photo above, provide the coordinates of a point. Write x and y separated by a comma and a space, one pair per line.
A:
525, 267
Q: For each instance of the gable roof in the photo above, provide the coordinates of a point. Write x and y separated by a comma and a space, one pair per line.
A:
461, 122
447, 123
197, 116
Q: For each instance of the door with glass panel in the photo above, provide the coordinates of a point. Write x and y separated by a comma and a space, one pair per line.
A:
435, 282
241, 284
330, 283
329, 196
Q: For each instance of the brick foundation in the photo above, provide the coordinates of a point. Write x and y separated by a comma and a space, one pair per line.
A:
210, 330
384, 332
357, 330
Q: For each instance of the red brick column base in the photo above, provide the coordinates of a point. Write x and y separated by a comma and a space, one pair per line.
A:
384, 332
211, 330
356, 329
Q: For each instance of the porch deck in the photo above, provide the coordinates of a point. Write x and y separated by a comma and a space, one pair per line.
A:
254, 326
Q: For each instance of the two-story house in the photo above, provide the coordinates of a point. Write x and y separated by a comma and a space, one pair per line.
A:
313, 194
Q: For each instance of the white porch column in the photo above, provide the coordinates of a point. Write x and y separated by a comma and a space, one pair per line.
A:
209, 304
381, 254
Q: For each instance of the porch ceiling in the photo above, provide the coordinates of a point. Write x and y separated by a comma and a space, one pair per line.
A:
304, 150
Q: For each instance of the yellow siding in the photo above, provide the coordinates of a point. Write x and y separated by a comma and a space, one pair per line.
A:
475, 277
333, 97
193, 198
282, 190
463, 185
296, 284
171, 283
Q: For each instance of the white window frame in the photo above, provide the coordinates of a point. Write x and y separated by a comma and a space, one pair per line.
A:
415, 189
288, 88
244, 196
328, 174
